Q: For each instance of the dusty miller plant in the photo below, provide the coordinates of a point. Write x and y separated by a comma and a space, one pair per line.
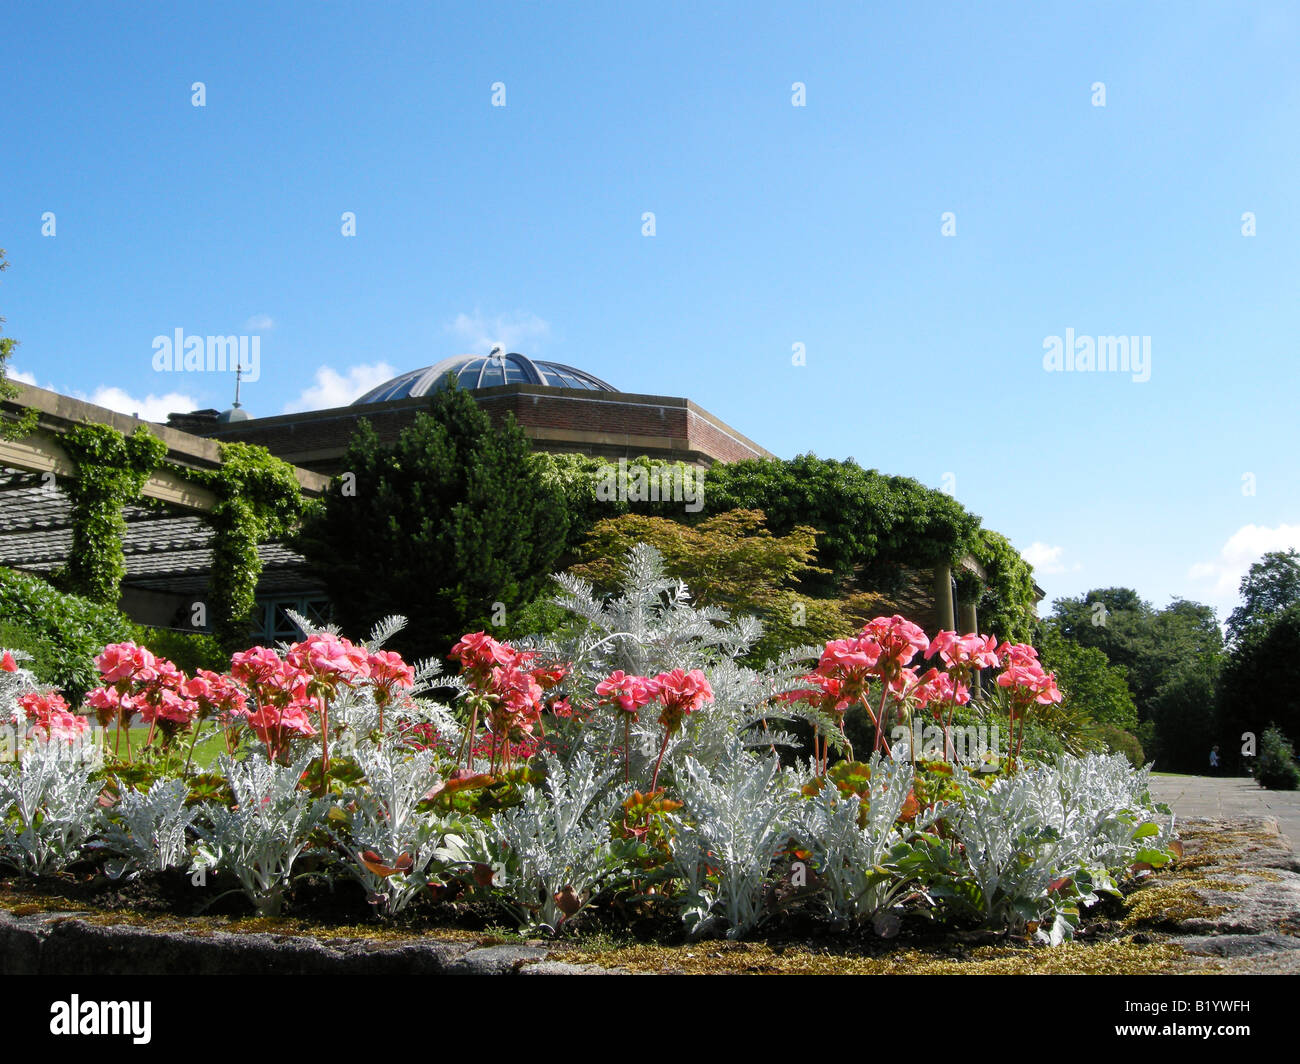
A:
650, 626
555, 848
149, 832
389, 842
1038, 845
49, 808
862, 869
739, 816
259, 840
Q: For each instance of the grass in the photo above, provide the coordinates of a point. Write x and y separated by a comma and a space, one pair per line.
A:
206, 750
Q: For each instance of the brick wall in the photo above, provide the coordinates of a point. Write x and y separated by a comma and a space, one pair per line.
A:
611, 424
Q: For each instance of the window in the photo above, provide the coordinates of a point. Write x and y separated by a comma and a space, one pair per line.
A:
272, 624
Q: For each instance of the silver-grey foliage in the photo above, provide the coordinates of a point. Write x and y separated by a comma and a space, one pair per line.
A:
858, 867
557, 844
383, 819
149, 832
739, 817
49, 808
260, 839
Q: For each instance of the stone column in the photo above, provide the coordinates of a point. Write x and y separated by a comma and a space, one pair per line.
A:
966, 615
943, 596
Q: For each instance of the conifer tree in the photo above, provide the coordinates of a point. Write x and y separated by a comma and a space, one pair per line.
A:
450, 526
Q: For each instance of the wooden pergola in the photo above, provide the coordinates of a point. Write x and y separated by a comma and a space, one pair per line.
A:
167, 545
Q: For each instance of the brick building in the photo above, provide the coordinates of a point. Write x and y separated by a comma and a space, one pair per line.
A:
559, 408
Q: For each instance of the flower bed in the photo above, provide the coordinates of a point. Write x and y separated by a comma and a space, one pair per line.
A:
629, 772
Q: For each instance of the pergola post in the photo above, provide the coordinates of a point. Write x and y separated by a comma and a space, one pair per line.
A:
943, 596
968, 618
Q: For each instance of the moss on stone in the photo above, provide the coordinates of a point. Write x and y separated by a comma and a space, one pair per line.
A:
1124, 956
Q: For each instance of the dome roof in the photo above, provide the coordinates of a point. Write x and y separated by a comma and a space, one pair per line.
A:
484, 371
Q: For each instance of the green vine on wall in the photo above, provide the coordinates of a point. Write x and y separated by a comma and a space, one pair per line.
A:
258, 498
111, 473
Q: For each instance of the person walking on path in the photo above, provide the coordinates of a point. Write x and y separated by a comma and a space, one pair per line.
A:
1214, 760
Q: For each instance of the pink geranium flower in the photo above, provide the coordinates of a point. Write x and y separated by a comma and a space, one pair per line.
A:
126, 664
629, 693
330, 660
48, 717
965, 653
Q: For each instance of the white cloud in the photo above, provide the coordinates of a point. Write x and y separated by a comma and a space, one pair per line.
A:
521, 332
1247, 545
338, 389
19, 375
260, 323
150, 408
1046, 559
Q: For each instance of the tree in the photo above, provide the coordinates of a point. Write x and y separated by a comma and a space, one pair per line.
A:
1088, 680
1271, 585
867, 521
730, 560
1185, 716
1171, 658
24, 424
1146, 642
1261, 680
450, 526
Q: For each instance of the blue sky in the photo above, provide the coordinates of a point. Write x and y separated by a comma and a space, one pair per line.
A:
775, 225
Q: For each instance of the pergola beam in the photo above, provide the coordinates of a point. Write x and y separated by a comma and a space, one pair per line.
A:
41, 453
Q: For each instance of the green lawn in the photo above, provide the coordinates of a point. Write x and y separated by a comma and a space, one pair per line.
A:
205, 753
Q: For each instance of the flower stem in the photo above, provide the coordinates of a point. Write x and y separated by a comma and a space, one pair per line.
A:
663, 747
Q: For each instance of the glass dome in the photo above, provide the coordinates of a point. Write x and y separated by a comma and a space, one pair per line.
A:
484, 371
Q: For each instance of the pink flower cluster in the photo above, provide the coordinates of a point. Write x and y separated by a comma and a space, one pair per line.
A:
49, 717
279, 698
965, 654
1028, 681
679, 692
883, 650
390, 675
509, 687
883, 653
328, 661
629, 693
135, 681
291, 695
282, 705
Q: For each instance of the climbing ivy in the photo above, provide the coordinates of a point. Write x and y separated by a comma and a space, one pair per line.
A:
258, 499
1006, 606
111, 470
